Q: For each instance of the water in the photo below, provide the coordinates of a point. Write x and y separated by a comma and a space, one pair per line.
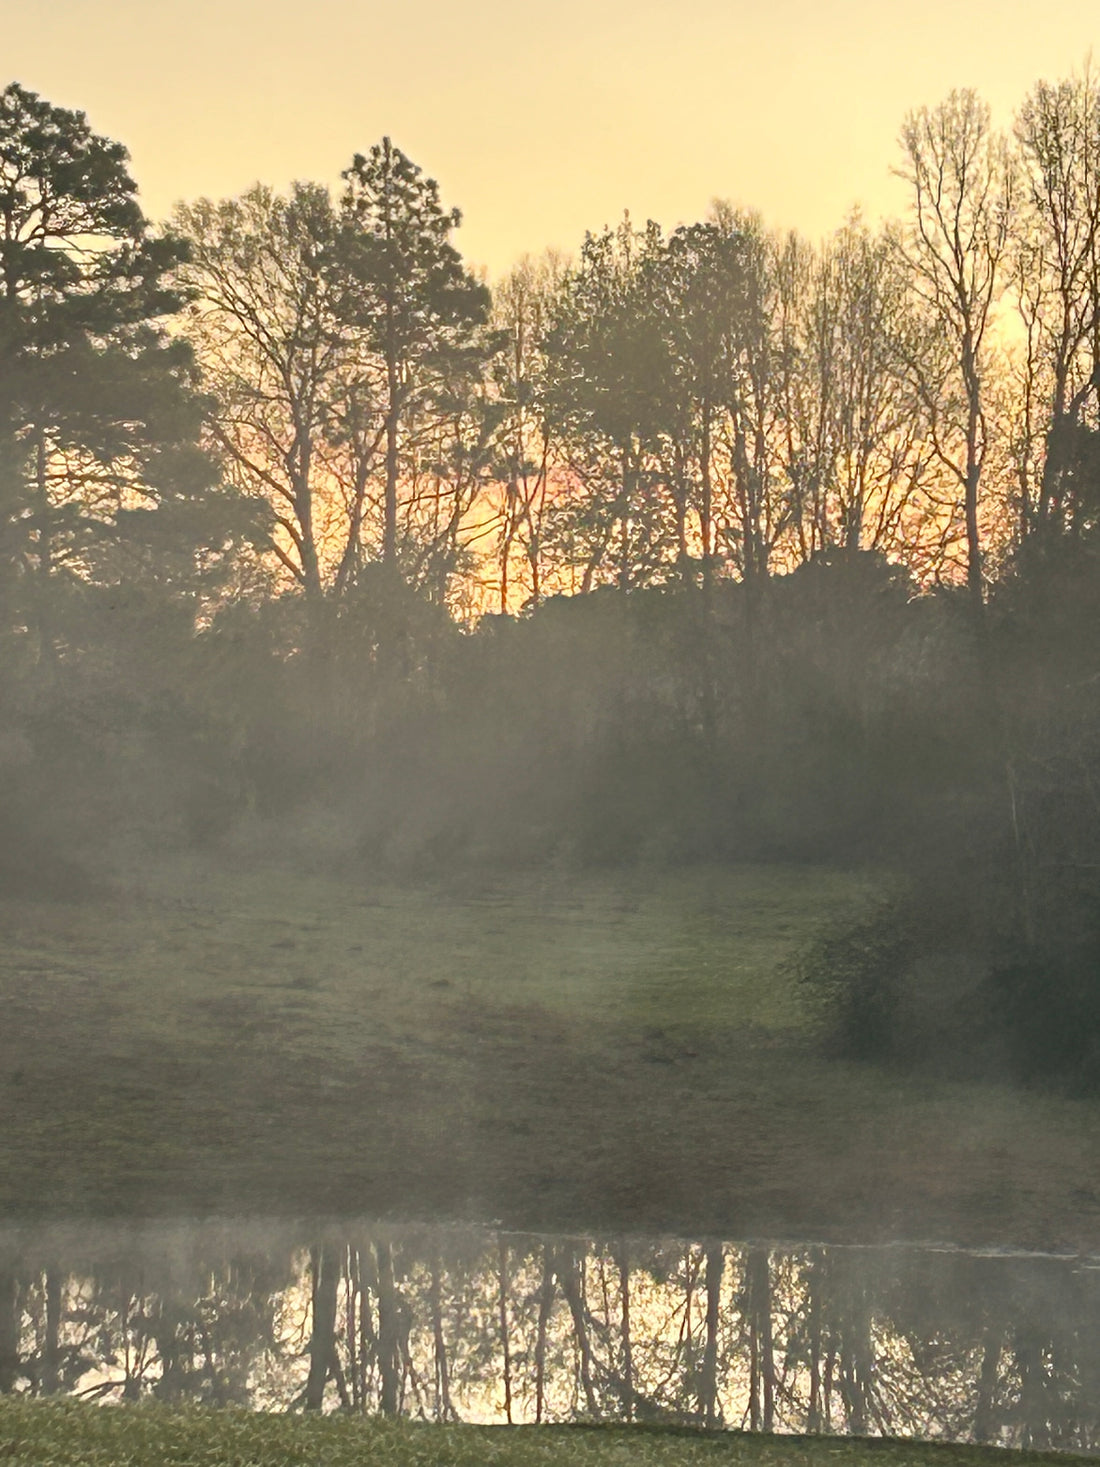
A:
458, 1323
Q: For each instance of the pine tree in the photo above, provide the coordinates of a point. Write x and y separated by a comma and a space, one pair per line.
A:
101, 475
424, 312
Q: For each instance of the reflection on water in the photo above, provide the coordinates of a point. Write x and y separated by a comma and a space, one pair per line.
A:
459, 1324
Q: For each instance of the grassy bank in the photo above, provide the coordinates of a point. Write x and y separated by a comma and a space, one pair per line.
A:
65, 1434
621, 1051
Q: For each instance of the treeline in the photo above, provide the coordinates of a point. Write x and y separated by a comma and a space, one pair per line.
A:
338, 397
706, 545
719, 401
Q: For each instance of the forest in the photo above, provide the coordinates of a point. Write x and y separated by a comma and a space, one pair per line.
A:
710, 544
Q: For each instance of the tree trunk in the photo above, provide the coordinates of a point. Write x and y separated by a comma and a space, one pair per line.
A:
393, 407
51, 1350
10, 1321
827, 1379
322, 1339
505, 1343
389, 1342
443, 1409
1033, 1403
624, 521
760, 1318
353, 1329
987, 1387
813, 1301
707, 514
974, 578
627, 1342
708, 1392
569, 1273
546, 1302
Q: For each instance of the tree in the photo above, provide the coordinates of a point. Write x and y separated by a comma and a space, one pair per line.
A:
958, 172
755, 513
1056, 249
299, 406
344, 350
408, 289
609, 396
708, 303
524, 305
861, 462
100, 468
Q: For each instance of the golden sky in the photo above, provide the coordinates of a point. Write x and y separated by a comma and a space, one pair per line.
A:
538, 120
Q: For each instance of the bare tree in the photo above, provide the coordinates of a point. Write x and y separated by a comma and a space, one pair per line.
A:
753, 512
524, 306
1056, 250
954, 244
299, 413
858, 459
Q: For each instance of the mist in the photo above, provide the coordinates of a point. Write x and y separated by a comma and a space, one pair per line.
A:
529, 795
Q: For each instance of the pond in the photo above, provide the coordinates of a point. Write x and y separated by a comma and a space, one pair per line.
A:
454, 1323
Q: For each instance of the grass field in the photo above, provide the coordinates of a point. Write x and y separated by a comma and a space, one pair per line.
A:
621, 1051
66, 1434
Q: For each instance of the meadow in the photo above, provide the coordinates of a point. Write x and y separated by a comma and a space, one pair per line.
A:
628, 1050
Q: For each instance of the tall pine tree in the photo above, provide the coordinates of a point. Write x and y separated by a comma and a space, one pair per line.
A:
408, 287
102, 480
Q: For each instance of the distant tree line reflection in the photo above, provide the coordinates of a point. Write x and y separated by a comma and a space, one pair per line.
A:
446, 1324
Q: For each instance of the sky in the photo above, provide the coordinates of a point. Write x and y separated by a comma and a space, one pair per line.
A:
539, 120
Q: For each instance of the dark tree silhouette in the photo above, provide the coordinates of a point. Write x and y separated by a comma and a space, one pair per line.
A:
408, 288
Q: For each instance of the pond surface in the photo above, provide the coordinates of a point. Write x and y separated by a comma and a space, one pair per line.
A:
456, 1323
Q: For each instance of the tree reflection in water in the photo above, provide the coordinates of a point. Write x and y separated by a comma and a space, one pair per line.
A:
449, 1324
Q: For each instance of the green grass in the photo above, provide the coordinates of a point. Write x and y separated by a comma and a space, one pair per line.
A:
622, 1051
65, 1434
704, 945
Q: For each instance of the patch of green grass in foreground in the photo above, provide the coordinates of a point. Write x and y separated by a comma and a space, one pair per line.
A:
72, 1434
